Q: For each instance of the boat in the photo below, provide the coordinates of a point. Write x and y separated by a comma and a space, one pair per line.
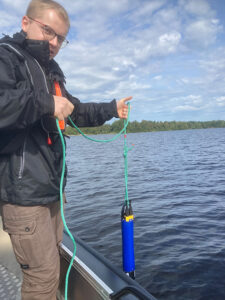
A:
92, 276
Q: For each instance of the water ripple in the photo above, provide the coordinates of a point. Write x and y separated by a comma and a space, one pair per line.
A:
177, 187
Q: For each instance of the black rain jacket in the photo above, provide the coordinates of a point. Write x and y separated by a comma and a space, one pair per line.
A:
30, 168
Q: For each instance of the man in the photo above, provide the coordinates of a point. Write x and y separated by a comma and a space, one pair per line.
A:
30, 147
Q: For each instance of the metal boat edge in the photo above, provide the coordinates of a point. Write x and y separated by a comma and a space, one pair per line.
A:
92, 276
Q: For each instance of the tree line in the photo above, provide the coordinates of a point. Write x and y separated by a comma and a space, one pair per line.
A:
146, 126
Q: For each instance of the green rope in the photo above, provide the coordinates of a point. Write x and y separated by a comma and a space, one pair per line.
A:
62, 211
126, 149
104, 141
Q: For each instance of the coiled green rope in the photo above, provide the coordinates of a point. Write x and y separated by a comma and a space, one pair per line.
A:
126, 149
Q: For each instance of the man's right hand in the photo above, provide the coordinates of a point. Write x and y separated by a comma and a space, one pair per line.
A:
63, 107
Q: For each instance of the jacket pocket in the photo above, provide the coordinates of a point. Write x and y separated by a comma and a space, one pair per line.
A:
25, 241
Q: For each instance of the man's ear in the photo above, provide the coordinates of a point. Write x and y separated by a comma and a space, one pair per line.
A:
25, 23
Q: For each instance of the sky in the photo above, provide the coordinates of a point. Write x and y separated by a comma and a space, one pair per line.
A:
168, 54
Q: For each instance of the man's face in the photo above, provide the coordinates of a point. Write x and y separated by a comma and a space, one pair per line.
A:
34, 30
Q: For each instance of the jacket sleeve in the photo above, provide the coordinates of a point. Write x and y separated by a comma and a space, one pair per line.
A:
20, 104
92, 114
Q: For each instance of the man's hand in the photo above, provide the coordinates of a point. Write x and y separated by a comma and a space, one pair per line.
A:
63, 107
122, 107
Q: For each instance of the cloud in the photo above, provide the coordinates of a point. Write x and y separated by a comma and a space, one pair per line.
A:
146, 40
91, 7
214, 62
18, 6
189, 103
185, 108
158, 77
93, 21
7, 20
166, 54
197, 8
202, 33
146, 11
11, 15
194, 99
168, 42
221, 101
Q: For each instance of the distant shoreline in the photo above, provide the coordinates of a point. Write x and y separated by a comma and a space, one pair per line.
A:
146, 126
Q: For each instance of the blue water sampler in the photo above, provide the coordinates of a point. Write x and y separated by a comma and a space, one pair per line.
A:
127, 228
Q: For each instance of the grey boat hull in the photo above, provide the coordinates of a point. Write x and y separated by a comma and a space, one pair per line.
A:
92, 277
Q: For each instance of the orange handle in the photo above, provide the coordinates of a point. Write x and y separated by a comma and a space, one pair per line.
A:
59, 93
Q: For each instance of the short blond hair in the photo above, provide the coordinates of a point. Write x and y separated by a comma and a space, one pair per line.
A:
36, 8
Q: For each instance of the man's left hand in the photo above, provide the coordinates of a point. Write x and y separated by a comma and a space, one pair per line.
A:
122, 107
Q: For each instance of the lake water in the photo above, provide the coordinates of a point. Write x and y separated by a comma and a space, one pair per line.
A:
177, 187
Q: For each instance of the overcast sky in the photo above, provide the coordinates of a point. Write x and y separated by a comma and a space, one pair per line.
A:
168, 54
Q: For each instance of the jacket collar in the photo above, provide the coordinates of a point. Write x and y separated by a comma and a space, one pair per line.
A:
40, 51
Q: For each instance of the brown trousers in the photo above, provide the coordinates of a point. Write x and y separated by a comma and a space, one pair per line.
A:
36, 232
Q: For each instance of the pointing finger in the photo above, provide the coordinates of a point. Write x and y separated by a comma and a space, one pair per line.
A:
126, 99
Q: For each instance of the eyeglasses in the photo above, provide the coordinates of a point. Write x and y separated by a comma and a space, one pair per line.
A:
49, 34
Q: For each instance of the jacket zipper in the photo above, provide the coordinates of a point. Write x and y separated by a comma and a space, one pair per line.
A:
46, 85
22, 160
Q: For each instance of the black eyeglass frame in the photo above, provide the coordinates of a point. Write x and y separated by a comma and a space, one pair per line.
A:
62, 41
